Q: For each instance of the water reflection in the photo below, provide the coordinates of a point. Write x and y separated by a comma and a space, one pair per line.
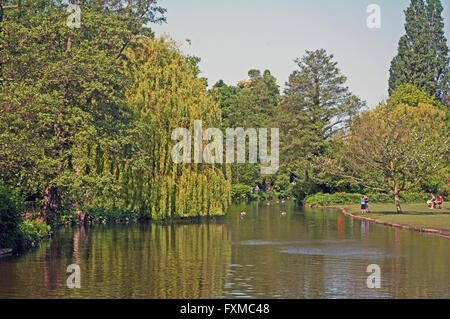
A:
305, 254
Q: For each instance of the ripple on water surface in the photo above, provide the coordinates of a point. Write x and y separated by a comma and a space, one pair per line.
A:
280, 243
354, 253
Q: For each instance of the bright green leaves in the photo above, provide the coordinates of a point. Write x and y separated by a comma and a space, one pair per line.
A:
166, 94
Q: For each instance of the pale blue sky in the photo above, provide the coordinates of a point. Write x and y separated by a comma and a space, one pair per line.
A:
233, 36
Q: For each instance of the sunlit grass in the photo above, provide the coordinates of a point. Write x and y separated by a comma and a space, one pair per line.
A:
417, 215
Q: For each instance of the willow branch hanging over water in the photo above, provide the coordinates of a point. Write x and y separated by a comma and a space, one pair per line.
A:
166, 94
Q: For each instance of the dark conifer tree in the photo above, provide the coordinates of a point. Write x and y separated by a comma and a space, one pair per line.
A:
422, 57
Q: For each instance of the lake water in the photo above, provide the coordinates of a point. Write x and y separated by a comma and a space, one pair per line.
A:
305, 254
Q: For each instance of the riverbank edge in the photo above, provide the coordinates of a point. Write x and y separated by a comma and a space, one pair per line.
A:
5, 251
432, 231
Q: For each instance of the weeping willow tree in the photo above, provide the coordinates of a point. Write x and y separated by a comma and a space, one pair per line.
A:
124, 163
72, 140
166, 94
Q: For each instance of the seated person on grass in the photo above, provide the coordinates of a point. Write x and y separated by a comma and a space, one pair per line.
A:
432, 202
440, 203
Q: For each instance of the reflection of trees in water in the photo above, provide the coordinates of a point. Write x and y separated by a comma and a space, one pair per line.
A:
54, 267
419, 267
340, 226
78, 235
160, 261
201, 261
412, 264
259, 269
396, 261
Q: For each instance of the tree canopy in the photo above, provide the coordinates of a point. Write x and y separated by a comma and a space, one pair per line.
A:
392, 148
153, 183
423, 55
316, 105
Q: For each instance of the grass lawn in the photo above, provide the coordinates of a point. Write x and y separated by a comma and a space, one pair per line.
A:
416, 214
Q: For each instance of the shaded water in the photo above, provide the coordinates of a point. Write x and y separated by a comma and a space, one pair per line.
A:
306, 254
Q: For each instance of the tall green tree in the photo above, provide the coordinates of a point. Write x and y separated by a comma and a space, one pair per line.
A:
62, 93
256, 100
423, 55
392, 148
316, 106
226, 95
252, 103
166, 94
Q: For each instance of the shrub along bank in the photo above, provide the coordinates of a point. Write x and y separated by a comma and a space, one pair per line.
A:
336, 199
15, 231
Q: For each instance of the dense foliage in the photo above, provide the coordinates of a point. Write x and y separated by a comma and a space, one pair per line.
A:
9, 214
241, 192
423, 55
15, 232
152, 182
252, 103
392, 148
86, 116
336, 199
62, 97
316, 106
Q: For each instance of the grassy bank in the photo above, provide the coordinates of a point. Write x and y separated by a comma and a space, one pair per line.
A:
340, 199
382, 208
414, 214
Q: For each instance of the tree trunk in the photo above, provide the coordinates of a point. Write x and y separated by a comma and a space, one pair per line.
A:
395, 191
82, 216
50, 204
70, 39
397, 202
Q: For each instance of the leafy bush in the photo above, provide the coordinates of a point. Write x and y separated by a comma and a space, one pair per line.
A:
283, 188
444, 191
67, 217
414, 197
103, 215
320, 199
30, 233
264, 196
240, 192
15, 232
10, 207
303, 189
